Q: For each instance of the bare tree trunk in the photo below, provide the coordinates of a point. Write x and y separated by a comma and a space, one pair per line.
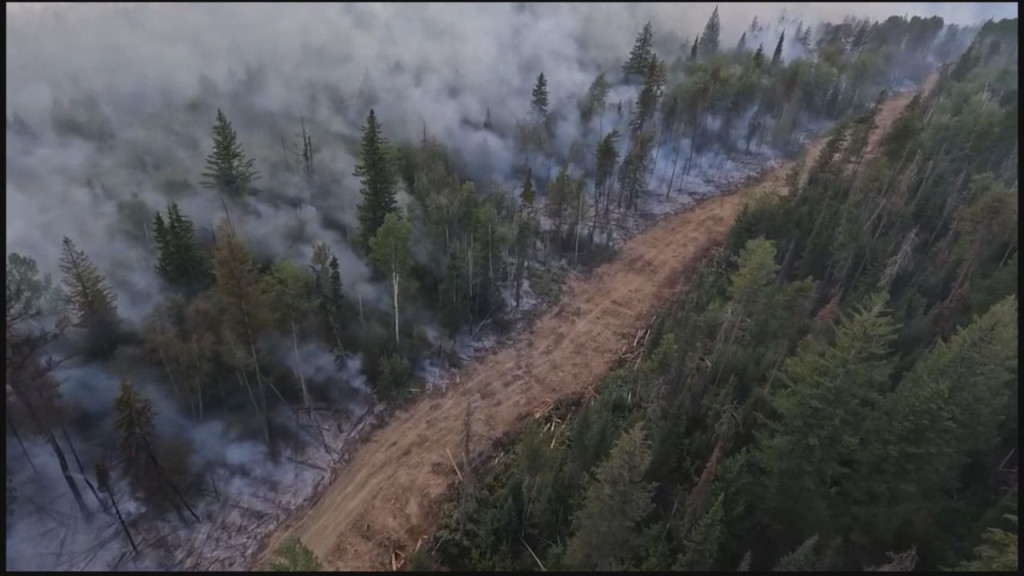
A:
67, 476
298, 369
672, 179
579, 222
394, 293
17, 436
81, 469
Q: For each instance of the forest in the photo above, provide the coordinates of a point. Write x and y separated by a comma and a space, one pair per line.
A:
837, 390
257, 281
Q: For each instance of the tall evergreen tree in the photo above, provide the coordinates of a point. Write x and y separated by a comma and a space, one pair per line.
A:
650, 95
777, 56
607, 527
828, 389
596, 100
134, 424
709, 38
539, 102
377, 183
701, 545
759, 57
741, 46
947, 407
633, 173
693, 50
180, 260
227, 169
640, 55
92, 303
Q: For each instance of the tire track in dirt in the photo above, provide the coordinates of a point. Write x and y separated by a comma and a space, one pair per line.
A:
385, 497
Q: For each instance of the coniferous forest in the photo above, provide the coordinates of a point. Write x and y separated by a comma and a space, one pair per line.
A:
245, 286
836, 390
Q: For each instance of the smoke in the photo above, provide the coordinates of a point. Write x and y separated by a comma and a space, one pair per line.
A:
139, 86
109, 109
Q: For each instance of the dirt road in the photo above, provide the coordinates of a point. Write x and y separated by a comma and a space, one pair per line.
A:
385, 497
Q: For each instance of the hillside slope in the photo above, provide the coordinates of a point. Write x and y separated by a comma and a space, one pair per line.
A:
384, 498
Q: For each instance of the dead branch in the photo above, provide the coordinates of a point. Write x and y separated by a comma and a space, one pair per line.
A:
454, 465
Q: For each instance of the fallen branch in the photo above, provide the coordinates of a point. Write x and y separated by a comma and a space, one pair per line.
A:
309, 464
539, 563
454, 465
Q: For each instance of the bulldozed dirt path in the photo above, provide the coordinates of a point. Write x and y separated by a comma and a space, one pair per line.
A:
384, 499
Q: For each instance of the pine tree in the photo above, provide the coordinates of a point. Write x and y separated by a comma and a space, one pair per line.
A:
693, 50
391, 254
777, 56
828, 389
180, 261
701, 545
633, 173
741, 46
607, 534
539, 103
91, 301
640, 55
803, 559
650, 95
227, 169
596, 100
945, 408
759, 57
134, 423
377, 183
709, 38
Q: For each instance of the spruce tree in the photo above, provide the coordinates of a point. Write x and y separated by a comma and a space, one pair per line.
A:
596, 99
946, 408
377, 182
647, 103
777, 56
701, 545
607, 535
640, 55
826, 391
227, 169
741, 46
693, 50
180, 260
759, 57
709, 38
803, 559
88, 296
134, 423
539, 103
